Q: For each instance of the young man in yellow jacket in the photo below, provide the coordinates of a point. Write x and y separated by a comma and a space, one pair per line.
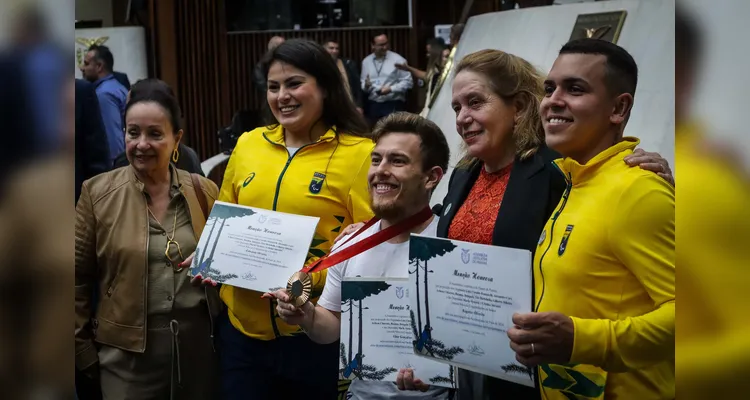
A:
604, 270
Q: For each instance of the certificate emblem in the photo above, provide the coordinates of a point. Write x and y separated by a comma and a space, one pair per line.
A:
564, 240
317, 182
400, 292
465, 255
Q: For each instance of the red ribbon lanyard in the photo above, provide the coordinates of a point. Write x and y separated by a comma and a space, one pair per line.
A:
368, 242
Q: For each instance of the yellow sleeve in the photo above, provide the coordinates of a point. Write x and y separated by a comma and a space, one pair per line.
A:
642, 237
359, 195
228, 193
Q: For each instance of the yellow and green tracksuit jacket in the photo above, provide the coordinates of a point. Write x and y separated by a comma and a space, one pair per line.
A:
713, 347
325, 179
606, 258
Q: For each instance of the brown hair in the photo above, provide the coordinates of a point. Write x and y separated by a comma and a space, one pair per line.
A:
434, 146
512, 78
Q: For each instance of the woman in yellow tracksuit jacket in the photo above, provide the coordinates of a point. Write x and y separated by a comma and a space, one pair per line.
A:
321, 173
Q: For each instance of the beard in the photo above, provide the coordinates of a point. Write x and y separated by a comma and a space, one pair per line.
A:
388, 210
400, 206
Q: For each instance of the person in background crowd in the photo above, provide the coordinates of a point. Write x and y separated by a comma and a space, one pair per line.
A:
34, 348
384, 84
312, 159
349, 73
91, 145
185, 158
436, 58
505, 187
44, 73
151, 336
411, 156
611, 283
97, 68
259, 80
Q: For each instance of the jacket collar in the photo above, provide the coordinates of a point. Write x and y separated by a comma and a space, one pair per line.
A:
173, 176
578, 174
276, 135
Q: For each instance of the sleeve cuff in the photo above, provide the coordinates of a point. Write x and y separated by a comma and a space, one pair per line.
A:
590, 341
87, 357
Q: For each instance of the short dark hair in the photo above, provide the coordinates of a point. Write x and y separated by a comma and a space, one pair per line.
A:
437, 41
434, 146
621, 71
157, 91
329, 40
376, 34
104, 55
688, 37
309, 56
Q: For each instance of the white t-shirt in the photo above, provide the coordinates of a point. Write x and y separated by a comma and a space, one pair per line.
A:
384, 260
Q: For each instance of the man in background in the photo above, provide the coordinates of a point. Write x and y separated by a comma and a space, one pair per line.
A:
384, 85
97, 69
348, 69
91, 145
259, 79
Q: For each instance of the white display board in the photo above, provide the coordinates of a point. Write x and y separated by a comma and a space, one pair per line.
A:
128, 46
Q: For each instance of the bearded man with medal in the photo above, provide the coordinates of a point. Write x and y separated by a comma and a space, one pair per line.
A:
409, 160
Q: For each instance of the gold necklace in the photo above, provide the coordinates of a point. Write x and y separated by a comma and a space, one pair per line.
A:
171, 241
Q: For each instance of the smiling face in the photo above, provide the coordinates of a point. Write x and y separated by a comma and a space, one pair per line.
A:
294, 97
581, 117
398, 185
484, 120
149, 137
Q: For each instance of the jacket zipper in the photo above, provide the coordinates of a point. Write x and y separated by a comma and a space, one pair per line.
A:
275, 327
566, 194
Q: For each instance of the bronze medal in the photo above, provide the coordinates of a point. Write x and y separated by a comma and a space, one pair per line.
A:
299, 288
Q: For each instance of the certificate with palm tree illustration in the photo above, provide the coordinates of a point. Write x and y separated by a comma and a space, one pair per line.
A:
376, 333
252, 248
464, 298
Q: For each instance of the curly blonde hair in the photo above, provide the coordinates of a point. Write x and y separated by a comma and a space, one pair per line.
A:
512, 78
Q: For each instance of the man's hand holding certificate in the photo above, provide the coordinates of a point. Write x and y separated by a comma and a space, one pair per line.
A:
465, 297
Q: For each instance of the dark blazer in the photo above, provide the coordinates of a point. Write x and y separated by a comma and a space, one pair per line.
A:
355, 85
19, 141
534, 190
188, 161
92, 147
259, 79
122, 78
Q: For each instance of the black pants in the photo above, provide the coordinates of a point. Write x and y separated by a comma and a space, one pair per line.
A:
376, 111
289, 367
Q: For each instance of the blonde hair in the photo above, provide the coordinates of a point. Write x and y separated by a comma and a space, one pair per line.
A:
512, 78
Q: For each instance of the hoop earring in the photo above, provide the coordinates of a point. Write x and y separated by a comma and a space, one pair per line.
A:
175, 155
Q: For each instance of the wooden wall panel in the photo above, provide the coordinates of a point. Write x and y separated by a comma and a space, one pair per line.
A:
200, 47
